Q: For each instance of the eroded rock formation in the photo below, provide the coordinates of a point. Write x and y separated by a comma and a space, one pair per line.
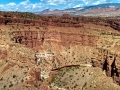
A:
29, 38
35, 38
72, 41
3, 54
110, 63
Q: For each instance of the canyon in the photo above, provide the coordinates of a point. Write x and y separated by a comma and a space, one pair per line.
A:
59, 52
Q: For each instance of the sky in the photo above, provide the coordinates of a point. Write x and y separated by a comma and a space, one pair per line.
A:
39, 5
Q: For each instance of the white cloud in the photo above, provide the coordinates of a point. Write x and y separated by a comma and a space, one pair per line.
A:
37, 5
11, 4
85, 2
100, 1
22, 6
1, 5
69, 5
26, 5
95, 3
27, 2
56, 2
79, 5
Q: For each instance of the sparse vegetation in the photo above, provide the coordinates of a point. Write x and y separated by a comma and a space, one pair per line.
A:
75, 41
10, 85
1, 79
4, 86
14, 76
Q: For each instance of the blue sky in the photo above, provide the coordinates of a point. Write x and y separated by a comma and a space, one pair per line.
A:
39, 5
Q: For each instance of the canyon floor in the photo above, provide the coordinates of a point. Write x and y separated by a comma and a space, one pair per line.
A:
59, 53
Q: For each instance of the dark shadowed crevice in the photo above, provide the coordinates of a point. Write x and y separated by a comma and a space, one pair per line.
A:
110, 67
105, 65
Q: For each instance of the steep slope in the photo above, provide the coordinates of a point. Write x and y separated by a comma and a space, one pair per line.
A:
44, 50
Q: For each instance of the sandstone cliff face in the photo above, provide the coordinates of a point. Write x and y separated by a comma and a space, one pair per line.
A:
109, 62
29, 38
55, 41
17, 65
37, 38
64, 21
34, 48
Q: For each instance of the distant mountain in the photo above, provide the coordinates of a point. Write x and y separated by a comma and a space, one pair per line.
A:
104, 10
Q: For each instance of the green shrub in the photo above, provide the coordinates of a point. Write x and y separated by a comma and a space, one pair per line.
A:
11, 85
14, 76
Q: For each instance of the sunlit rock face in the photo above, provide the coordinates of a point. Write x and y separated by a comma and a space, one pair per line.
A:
30, 50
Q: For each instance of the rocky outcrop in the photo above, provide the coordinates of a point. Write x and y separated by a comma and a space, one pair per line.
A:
3, 54
29, 38
36, 38
63, 21
61, 42
110, 63
114, 24
35, 73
